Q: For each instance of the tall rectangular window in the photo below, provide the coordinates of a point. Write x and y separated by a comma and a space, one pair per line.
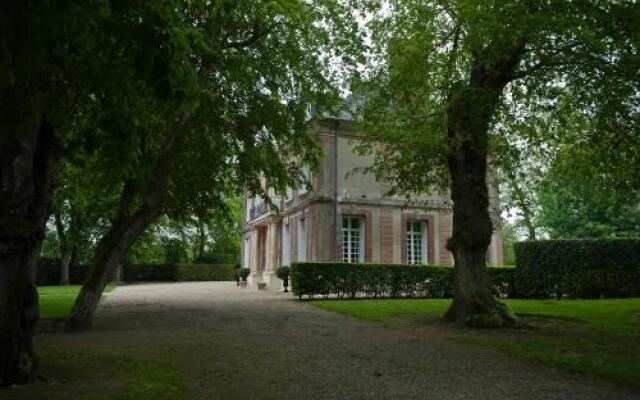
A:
302, 240
286, 245
352, 239
416, 242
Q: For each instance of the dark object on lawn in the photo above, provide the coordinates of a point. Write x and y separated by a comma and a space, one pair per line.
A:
244, 273
283, 273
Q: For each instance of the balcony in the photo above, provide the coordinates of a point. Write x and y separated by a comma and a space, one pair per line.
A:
258, 211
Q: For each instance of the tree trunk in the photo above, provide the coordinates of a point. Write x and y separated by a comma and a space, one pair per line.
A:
109, 254
470, 111
201, 241
27, 170
112, 249
65, 262
66, 252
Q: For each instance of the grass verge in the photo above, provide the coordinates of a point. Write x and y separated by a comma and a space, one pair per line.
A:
599, 337
57, 301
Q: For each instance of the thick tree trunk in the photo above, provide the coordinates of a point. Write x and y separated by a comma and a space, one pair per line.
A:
66, 252
110, 253
27, 170
469, 116
201, 240
65, 262
113, 247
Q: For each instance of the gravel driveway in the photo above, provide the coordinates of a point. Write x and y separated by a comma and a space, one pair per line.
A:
235, 343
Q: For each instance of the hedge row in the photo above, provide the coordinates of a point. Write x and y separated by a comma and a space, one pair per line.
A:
594, 268
591, 268
384, 280
178, 272
49, 272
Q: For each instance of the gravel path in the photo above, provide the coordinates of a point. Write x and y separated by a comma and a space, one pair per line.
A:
237, 343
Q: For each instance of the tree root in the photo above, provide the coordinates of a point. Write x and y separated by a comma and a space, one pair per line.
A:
493, 314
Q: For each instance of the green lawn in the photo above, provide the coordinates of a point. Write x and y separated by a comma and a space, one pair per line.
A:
599, 337
56, 301
102, 374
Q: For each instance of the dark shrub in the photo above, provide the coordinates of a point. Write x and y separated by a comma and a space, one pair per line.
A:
244, 273
149, 272
204, 272
48, 272
590, 268
283, 273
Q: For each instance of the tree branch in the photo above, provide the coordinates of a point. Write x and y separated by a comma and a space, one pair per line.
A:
256, 34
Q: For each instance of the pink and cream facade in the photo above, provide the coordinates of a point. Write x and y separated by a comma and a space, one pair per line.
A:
347, 217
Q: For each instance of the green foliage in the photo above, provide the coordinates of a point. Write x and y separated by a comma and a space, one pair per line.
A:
205, 272
509, 237
575, 85
48, 272
177, 272
578, 268
588, 193
244, 273
283, 273
383, 280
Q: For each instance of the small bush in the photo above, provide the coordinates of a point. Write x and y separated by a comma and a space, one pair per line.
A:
244, 273
591, 268
283, 273
384, 280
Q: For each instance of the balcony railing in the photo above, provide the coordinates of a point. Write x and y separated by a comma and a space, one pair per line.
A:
258, 211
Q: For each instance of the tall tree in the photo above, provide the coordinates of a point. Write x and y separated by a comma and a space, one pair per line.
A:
241, 77
79, 210
581, 196
450, 73
44, 50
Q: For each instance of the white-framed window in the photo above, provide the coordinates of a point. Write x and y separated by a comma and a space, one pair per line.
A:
302, 240
352, 239
416, 242
286, 245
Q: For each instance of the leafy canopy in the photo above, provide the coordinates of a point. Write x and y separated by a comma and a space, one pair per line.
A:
577, 59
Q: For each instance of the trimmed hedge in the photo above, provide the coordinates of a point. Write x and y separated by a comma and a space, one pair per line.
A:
178, 272
49, 272
205, 272
588, 268
384, 280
